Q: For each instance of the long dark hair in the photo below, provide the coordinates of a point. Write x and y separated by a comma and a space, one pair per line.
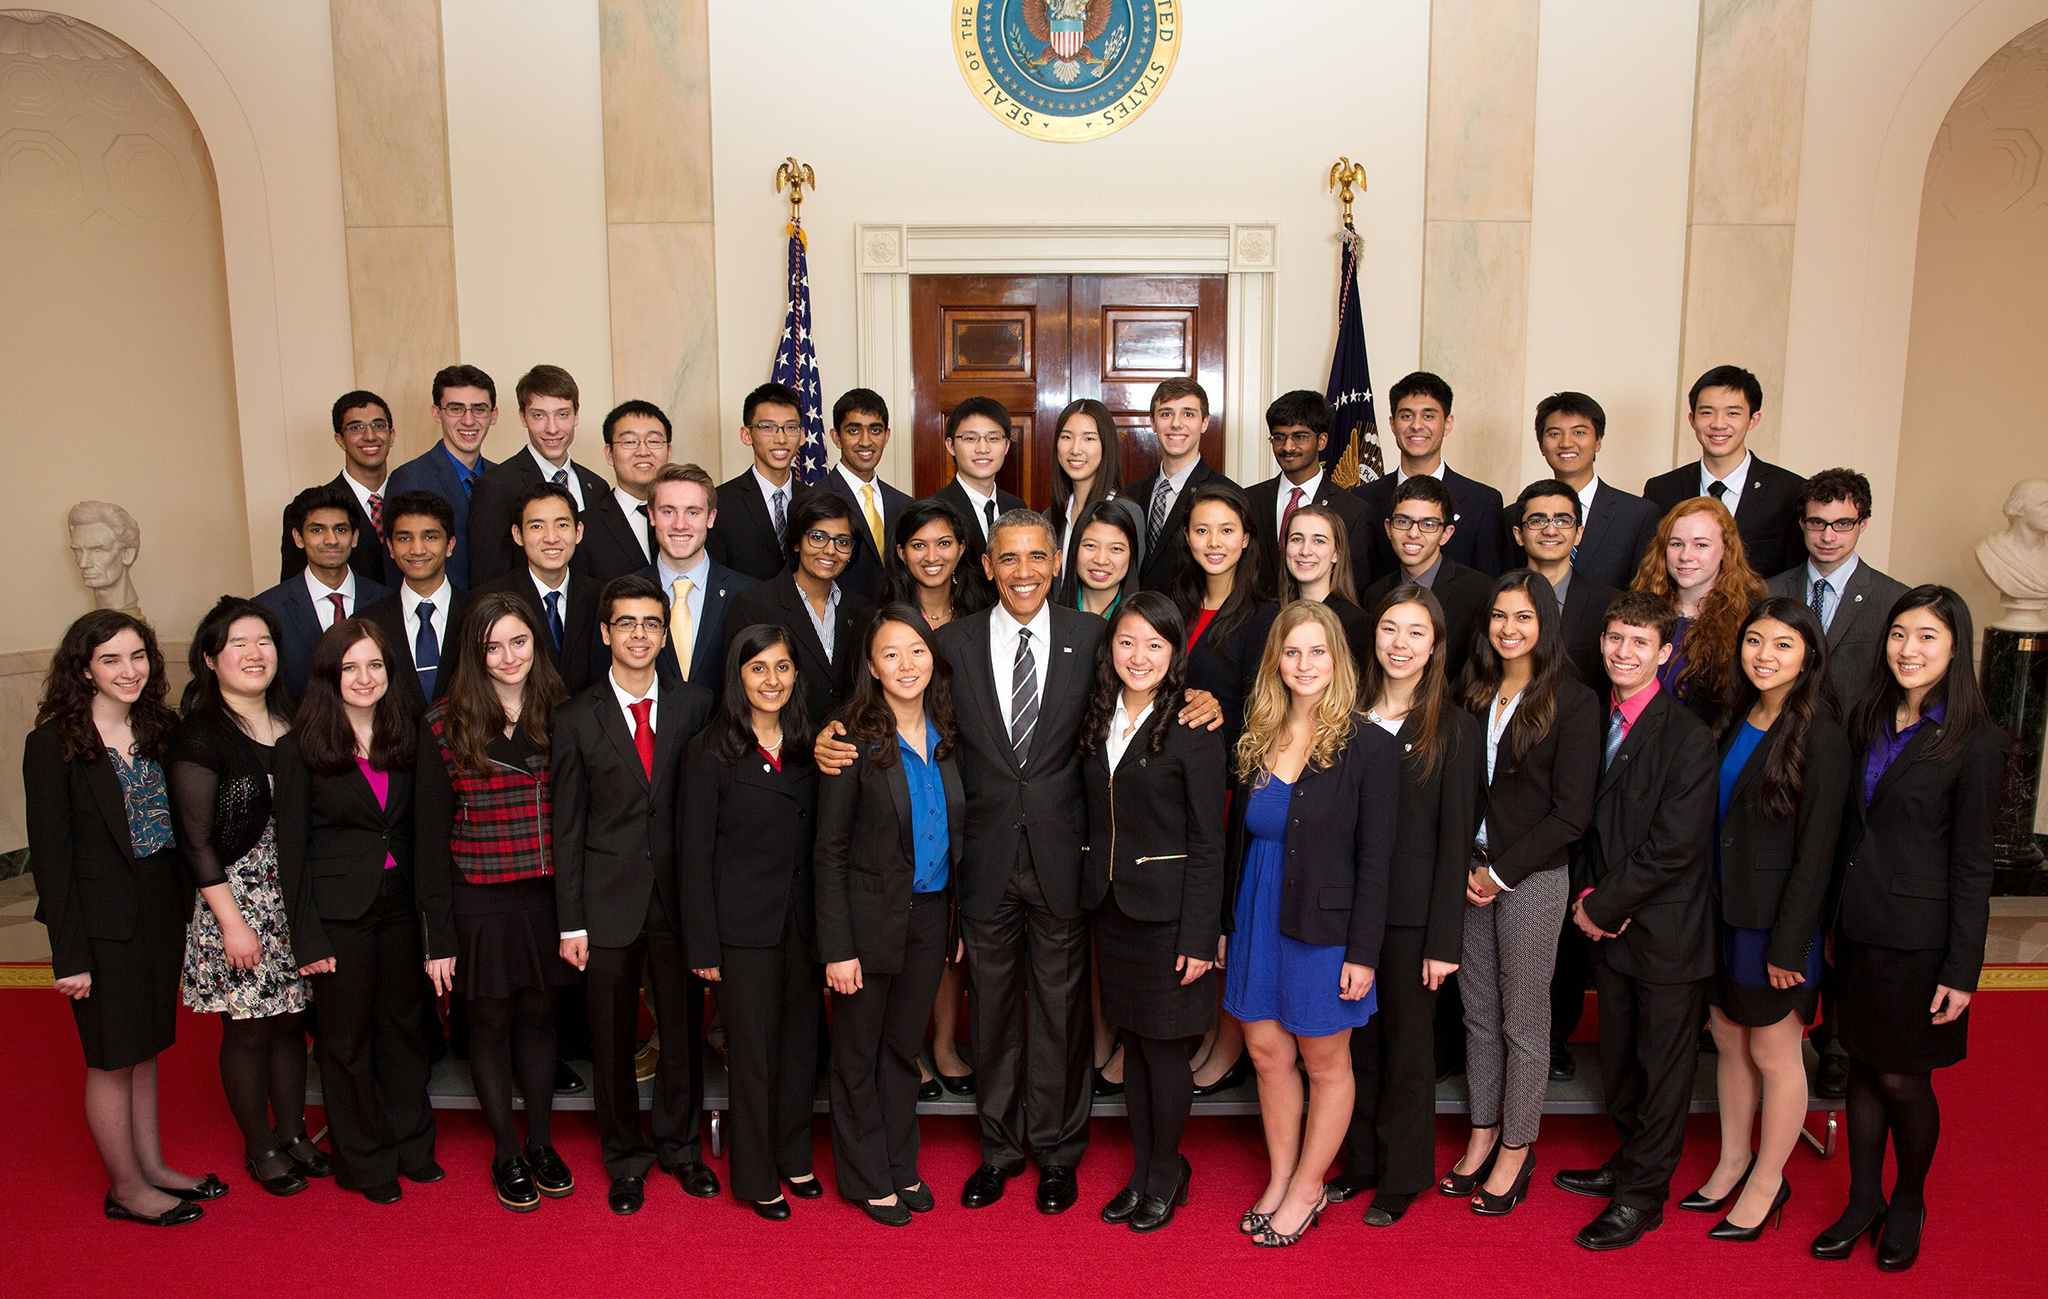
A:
731, 729
1547, 668
1247, 580
1118, 512
472, 714
202, 692
327, 742
1785, 764
1109, 475
67, 689
1159, 612
969, 589
870, 722
1431, 689
1963, 707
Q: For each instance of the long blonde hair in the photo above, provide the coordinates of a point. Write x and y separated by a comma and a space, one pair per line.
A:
1265, 721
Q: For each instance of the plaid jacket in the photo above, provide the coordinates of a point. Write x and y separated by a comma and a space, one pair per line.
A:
500, 831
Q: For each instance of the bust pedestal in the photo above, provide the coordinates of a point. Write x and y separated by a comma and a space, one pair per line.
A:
2016, 688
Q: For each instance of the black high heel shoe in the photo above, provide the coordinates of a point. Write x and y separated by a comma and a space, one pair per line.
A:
1461, 1185
1725, 1230
1834, 1244
1103, 1086
1901, 1244
1488, 1205
177, 1215
1232, 1077
1700, 1202
285, 1183
1267, 1238
960, 1084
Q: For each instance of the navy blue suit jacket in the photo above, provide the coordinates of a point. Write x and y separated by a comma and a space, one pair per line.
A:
299, 626
435, 472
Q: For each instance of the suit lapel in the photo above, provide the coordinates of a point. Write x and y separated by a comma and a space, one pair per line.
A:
713, 619
613, 722
756, 509
668, 716
899, 792
106, 792
1916, 749
980, 673
1063, 674
612, 518
1599, 520
1637, 739
1850, 604
807, 643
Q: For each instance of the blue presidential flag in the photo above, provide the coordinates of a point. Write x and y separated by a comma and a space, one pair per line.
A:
796, 361
1353, 455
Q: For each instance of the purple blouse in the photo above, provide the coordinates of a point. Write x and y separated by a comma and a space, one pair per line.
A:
1887, 745
380, 785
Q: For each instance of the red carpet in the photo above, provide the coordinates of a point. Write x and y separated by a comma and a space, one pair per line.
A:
453, 1239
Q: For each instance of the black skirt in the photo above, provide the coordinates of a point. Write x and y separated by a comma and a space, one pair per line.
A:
1141, 991
132, 1015
506, 940
1754, 1006
1883, 1015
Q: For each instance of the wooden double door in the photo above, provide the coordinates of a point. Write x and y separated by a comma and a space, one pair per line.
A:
1037, 342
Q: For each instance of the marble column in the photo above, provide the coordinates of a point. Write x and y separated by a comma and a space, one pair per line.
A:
393, 127
655, 59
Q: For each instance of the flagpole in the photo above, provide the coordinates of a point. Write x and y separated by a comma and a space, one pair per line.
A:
796, 360
1350, 385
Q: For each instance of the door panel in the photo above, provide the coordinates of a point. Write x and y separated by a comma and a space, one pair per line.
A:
1132, 331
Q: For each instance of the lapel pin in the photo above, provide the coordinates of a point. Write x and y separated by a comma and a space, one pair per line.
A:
1858, 600
1066, 649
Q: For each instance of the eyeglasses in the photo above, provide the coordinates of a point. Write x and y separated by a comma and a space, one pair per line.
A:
358, 426
766, 429
1812, 524
634, 441
1428, 527
627, 626
1283, 439
820, 538
458, 410
984, 440
1545, 522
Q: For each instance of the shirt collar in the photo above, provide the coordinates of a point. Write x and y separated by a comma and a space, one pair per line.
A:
854, 480
548, 471
1121, 719
1838, 581
1436, 473
1586, 498
1632, 707
1179, 481
319, 590
1308, 489
631, 506
626, 701
973, 495
545, 590
1007, 627
931, 742
697, 572
768, 489
462, 471
1561, 586
1429, 575
409, 603
1735, 480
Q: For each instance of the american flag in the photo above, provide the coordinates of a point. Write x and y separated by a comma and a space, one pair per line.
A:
796, 361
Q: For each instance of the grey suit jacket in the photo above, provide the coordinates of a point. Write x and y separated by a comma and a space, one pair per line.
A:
1856, 636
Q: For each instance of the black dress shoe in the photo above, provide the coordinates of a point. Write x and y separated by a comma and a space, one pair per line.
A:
513, 1181
810, 1188
889, 1215
1839, 1241
1833, 1077
928, 1090
984, 1187
1596, 1182
312, 1161
917, 1199
697, 1179
1121, 1206
177, 1215
1104, 1087
1901, 1243
382, 1193
1700, 1202
281, 1184
1154, 1212
212, 1188
1057, 1189
1386, 1209
775, 1210
1562, 1067
1232, 1077
567, 1081
426, 1174
627, 1195
1345, 1186
551, 1176
960, 1084
1618, 1227
1775, 1215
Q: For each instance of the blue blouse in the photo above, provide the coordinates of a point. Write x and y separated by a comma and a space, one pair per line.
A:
1745, 953
146, 802
930, 836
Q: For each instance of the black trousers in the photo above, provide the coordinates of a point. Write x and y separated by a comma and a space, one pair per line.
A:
1568, 983
1032, 1030
372, 1052
769, 996
1649, 1054
1393, 1117
613, 978
876, 1036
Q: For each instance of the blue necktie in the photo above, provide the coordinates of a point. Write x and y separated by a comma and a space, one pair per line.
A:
467, 481
1615, 731
1819, 602
426, 649
553, 600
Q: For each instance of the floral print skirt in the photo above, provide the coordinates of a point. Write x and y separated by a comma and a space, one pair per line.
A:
274, 986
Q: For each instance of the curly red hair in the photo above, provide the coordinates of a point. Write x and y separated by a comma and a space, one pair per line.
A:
1710, 641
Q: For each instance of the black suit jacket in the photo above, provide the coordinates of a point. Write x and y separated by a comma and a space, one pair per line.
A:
1774, 874
976, 542
1155, 832
1463, 592
609, 548
1582, 624
867, 573
1619, 529
743, 849
1537, 808
1165, 558
614, 829
332, 841
1040, 801
827, 680
864, 875
707, 653
582, 647
743, 537
1478, 540
299, 626
1228, 666
1340, 848
1648, 856
1434, 823
370, 560
492, 552
1358, 525
1766, 516
1917, 859
1857, 634
1358, 629
388, 612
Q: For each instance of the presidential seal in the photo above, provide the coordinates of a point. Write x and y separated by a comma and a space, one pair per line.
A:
1066, 70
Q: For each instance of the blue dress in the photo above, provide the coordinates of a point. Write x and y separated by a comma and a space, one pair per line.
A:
1269, 975
1745, 994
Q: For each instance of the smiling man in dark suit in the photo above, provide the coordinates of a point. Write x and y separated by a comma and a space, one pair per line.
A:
423, 617
978, 439
1547, 532
1419, 532
1617, 527
699, 589
465, 408
563, 602
1298, 427
1180, 416
549, 406
1852, 597
326, 589
363, 431
1724, 407
753, 509
860, 429
1422, 421
618, 527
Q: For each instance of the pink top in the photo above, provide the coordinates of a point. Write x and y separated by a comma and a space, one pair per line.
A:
380, 785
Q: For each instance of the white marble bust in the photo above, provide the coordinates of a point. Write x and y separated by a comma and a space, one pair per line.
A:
104, 544
2016, 560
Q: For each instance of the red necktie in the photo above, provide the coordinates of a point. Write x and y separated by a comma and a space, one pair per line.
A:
1287, 515
376, 512
643, 735
340, 614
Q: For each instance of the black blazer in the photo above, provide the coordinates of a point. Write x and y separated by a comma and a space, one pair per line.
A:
1916, 861
1340, 848
1040, 802
1766, 516
1582, 624
1648, 855
332, 840
1537, 809
371, 559
1358, 525
743, 849
1856, 637
1464, 593
1477, 541
299, 626
1155, 832
975, 543
743, 536
388, 612
868, 571
613, 828
1619, 529
1775, 874
609, 548
1227, 668
863, 877
1163, 560
707, 653
1358, 629
434, 471
492, 552
1434, 822
582, 646
827, 680
80, 852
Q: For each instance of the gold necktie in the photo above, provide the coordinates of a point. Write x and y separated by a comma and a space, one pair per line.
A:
682, 635
867, 492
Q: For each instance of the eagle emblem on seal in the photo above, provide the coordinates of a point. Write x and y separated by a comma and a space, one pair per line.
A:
1066, 33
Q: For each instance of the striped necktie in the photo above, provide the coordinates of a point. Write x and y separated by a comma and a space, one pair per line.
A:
1023, 698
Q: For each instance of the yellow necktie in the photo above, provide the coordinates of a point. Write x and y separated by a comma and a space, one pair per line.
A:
681, 635
867, 492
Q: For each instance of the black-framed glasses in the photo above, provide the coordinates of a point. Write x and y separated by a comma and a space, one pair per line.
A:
1427, 527
1545, 522
767, 428
1814, 524
820, 538
626, 626
359, 426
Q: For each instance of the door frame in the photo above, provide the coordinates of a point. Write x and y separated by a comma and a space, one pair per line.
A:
889, 253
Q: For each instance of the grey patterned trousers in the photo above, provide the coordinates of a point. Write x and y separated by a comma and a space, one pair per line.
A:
1510, 950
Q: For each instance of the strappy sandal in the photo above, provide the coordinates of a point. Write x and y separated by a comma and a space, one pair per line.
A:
1267, 1238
